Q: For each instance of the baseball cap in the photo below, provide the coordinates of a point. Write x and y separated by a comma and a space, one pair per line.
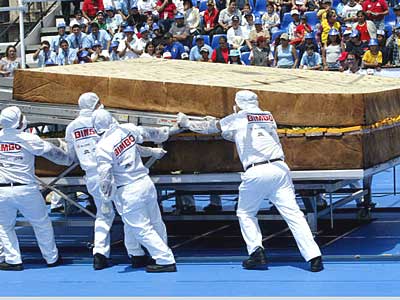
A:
373, 42
134, 6
184, 55
354, 33
261, 39
309, 35
179, 16
144, 29
124, 24
83, 54
156, 27
61, 25
343, 56
380, 32
129, 29
114, 44
234, 52
397, 7
235, 18
110, 7
210, 2
294, 12
199, 37
204, 49
167, 55
258, 21
100, 12
249, 14
346, 32
96, 44
284, 36
333, 31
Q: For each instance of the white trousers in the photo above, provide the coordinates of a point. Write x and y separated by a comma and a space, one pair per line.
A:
272, 181
29, 201
138, 207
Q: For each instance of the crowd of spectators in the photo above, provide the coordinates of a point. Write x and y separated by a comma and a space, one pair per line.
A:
307, 34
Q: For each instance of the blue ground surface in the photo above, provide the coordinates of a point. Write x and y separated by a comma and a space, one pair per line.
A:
376, 273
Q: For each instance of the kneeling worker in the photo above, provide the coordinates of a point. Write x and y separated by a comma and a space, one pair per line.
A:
266, 176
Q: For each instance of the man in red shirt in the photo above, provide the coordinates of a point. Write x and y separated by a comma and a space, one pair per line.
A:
376, 11
91, 7
166, 10
210, 18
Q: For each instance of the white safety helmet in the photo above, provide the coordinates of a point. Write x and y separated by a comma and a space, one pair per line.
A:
102, 120
88, 101
10, 117
246, 99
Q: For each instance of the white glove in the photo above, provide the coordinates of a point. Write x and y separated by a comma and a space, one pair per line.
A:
158, 153
62, 144
182, 120
106, 208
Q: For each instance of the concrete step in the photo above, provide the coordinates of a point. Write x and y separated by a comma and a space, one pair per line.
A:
6, 94
51, 31
6, 82
31, 48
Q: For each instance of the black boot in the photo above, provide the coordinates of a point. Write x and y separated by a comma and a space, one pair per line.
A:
11, 267
155, 268
100, 262
58, 262
316, 264
141, 261
256, 261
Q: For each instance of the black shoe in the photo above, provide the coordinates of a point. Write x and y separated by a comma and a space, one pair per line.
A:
155, 268
316, 264
256, 261
100, 262
58, 262
141, 261
11, 267
211, 208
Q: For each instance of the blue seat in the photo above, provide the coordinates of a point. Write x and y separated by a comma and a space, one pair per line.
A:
335, 3
245, 57
261, 6
287, 18
276, 34
388, 30
202, 5
194, 2
205, 37
215, 40
390, 19
312, 18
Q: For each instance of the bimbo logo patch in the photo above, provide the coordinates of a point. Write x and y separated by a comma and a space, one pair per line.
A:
259, 118
9, 147
126, 143
83, 133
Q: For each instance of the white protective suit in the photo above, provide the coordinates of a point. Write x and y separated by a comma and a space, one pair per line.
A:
18, 188
255, 133
125, 180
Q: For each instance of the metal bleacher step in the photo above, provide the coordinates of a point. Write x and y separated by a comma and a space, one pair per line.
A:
51, 31
6, 85
32, 48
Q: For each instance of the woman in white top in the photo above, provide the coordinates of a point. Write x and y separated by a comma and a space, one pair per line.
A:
10, 62
331, 53
192, 16
149, 51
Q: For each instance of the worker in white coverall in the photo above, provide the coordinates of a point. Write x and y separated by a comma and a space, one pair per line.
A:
82, 140
125, 180
266, 176
19, 190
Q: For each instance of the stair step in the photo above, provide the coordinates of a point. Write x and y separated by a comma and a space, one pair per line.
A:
51, 31
32, 48
6, 82
6, 94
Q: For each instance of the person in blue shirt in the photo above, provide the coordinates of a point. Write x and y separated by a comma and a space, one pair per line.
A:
44, 56
175, 48
77, 39
55, 42
66, 55
195, 54
311, 60
114, 53
98, 35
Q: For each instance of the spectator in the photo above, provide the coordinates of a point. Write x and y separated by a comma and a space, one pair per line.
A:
312, 5
113, 20
396, 11
120, 35
144, 39
258, 31
55, 41
91, 7
235, 35
159, 51
326, 5
205, 55
150, 24
366, 28
381, 37
77, 39
122, 7
393, 44
78, 19
301, 30
309, 39
127, 47
66, 55
234, 57
285, 54
300, 5
345, 38
135, 19
84, 57
292, 25
349, 13
331, 52
66, 9
211, 20
353, 63
146, 6
149, 50
195, 53
114, 53
158, 37
98, 35
355, 45
180, 31
101, 20
376, 10
246, 10
98, 53
10, 62
226, 16
372, 58
329, 23
172, 46
246, 29
311, 60
166, 10
44, 55
270, 19
221, 53
260, 55
192, 17
286, 6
